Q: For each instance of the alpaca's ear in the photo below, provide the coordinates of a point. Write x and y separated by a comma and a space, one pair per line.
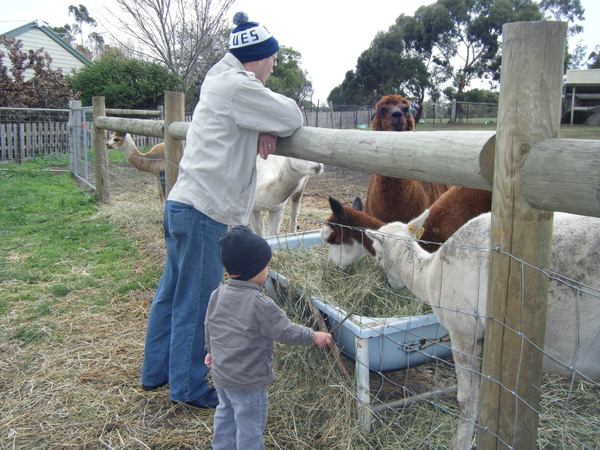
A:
338, 211
417, 223
358, 204
374, 235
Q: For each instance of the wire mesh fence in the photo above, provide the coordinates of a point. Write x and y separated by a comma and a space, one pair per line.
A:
416, 397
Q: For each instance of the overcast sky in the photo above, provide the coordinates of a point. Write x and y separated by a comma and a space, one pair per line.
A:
330, 34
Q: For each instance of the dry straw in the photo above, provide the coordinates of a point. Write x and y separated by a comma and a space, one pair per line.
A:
78, 387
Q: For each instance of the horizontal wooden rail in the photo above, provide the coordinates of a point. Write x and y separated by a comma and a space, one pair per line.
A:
563, 175
144, 127
558, 174
133, 112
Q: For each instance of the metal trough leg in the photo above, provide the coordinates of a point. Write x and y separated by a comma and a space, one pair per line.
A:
362, 383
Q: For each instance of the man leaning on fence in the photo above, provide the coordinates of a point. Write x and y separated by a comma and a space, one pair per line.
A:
236, 117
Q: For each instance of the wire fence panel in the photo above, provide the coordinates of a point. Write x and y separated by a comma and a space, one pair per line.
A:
82, 157
344, 117
411, 382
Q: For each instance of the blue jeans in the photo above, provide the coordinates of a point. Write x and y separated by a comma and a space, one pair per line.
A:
174, 351
240, 420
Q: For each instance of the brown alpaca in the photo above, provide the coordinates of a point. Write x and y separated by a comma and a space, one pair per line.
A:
152, 162
451, 211
395, 199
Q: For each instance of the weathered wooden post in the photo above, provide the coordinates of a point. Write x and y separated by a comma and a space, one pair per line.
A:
363, 400
101, 153
174, 112
529, 111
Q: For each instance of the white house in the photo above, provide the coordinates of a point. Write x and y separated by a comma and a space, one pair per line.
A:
38, 34
582, 95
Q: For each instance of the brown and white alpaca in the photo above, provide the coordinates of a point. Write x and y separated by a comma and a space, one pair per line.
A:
152, 162
344, 230
392, 199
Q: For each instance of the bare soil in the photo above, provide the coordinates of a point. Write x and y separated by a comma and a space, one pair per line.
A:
339, 182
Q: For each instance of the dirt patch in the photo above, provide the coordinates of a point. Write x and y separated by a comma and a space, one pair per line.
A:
339, 182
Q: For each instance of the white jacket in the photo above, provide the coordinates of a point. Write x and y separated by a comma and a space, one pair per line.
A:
217, 173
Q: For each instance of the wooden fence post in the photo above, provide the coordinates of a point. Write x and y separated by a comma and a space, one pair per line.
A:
529, 111
174, 112
100, 153
363, 400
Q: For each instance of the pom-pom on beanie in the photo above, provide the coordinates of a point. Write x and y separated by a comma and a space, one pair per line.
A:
250, 41
244, 253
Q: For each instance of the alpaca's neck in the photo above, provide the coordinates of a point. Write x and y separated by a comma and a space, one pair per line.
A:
285, 184
415, 265
365, 221
129, 149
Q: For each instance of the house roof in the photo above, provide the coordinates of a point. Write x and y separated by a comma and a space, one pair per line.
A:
584, 77
43, 27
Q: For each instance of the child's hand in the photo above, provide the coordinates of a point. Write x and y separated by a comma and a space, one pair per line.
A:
208, 360
322, 339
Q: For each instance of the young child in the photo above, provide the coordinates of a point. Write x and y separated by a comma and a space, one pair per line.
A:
241, 324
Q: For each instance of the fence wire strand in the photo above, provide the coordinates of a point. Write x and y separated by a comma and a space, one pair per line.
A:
568, 412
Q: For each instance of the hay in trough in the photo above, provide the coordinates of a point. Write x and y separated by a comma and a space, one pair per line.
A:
361, 287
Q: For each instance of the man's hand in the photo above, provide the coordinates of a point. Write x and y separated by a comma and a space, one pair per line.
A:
266, 144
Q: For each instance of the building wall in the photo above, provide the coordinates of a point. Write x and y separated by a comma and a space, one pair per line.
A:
34, 38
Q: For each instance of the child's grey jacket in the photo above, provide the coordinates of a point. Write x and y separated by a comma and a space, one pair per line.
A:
241, 324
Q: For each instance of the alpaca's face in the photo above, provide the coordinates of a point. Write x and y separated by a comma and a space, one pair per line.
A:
392, 113
386, 252
342, 233
117, 140
343, 248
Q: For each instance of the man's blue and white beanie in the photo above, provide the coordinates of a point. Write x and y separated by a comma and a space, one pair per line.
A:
250, 41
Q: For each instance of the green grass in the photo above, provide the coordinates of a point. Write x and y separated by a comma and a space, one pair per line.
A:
55, 247
566, 131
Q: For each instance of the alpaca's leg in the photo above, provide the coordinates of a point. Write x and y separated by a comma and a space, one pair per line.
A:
274, 221
256, 222
295, 200
161, 181
467, 360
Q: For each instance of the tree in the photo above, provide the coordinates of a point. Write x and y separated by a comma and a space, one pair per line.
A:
594, 59
186, 36
30, 82
386, 67
125, 83
93, 44
450, 40
464, 36
288, 78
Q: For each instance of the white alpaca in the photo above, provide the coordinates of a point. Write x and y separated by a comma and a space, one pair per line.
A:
152, 162
454, 281
279, 178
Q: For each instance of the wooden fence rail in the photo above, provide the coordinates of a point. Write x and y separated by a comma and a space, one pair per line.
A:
530, 172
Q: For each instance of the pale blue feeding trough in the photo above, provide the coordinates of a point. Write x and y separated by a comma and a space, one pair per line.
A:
379, 344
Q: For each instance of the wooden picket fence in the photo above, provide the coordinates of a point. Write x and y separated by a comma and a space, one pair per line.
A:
24, 140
